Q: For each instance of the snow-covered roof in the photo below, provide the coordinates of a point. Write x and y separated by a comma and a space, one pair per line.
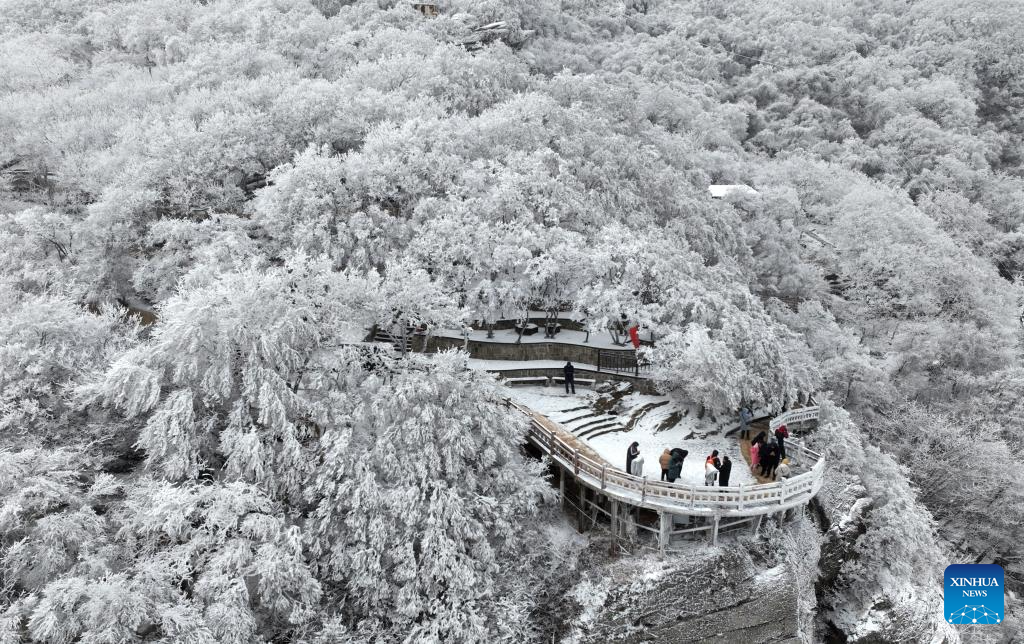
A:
719, 190
494, 26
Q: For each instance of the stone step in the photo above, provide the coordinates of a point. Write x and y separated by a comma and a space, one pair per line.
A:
596, 421
567, 421
601, 431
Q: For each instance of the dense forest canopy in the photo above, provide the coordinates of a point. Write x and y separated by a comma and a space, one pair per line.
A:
271, 178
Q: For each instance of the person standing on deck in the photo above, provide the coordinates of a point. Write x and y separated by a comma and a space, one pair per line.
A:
763, 455
770, 459
631, 453
570, 376
638, 467
745, 417
755, 453
724, 471
781, 434
665, 461
713, 459
784, 471
710, 472
675, 465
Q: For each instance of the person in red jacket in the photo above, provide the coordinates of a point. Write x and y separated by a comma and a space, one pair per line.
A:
781, 434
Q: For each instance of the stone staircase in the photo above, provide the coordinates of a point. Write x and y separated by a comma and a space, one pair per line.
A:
591, 423
395, 340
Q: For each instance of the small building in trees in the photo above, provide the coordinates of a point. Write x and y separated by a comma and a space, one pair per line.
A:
499, 30
428, 9
722, 190
19, 175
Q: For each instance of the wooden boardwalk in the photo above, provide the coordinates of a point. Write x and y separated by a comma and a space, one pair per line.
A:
572, 440
795, 416
607, 489
745, 449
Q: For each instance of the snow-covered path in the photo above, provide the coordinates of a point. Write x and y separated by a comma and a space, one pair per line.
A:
655, 422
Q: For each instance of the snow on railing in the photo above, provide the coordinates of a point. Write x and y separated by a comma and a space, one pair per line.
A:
687, 498
798, 415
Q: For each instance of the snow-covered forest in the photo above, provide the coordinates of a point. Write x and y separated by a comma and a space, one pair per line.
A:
207, 206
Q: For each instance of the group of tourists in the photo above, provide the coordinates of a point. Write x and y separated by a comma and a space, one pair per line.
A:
717, 468
768, 454
767, 457
767, 451
671, 461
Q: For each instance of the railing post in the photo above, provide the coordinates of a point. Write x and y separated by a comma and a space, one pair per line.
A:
643, 490
693, 494
664, 525
614, 523
576, 462
604, 469
740, 502
581, 496
561, 487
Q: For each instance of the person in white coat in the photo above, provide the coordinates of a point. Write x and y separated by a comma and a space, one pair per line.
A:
784, 471
638, 466
710, 473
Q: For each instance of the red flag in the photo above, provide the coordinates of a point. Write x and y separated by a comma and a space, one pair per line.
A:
634, 335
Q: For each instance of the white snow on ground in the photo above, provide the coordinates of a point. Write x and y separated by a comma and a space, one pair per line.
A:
590, 595
775, 575
696, 436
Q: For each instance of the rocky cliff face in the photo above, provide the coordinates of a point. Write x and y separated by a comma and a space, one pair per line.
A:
733, 593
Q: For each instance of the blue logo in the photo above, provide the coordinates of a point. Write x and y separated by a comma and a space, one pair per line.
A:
974, 594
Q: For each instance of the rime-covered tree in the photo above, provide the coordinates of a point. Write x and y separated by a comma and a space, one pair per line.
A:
87, 558
421, 495
220, 382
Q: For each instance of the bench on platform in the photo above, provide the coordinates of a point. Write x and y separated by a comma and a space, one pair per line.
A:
582, 382
529, 380
552, 328
527, 329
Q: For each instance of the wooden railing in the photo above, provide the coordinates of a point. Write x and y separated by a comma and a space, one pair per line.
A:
694, 500
798, 415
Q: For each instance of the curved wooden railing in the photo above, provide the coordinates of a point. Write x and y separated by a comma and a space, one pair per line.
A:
692, 500
793, 416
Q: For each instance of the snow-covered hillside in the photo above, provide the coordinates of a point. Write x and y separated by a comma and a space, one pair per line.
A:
233, 232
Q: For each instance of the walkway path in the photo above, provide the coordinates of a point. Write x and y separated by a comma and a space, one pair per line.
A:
584, 464
795, 416
761, 425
